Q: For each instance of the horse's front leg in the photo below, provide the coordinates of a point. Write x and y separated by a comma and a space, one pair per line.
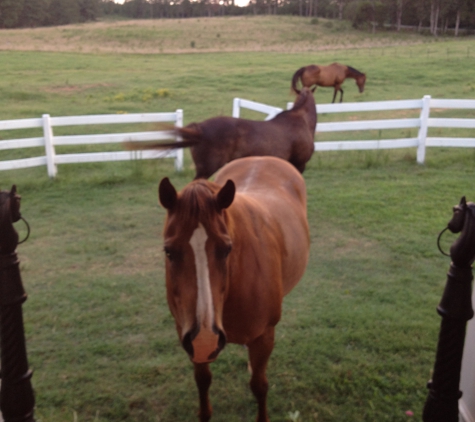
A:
341, 95
203, 381
260, 350
335, 91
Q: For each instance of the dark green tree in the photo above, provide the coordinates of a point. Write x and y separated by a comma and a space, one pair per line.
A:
34, 13
10, 11
89, 10
62, 12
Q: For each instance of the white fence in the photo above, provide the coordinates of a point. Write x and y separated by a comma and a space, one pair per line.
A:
49, 141
51, 159
239, 103
422, 123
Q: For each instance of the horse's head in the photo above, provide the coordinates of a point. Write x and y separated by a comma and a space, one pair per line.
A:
9, 214
197, 245
360, 81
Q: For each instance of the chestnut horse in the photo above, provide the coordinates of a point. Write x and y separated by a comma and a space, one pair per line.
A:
219, 140
234, 248
332, 75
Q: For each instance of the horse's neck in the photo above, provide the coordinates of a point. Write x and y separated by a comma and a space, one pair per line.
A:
351, 74
310, 113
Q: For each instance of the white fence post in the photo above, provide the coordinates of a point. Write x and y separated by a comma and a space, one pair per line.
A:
49, 146
236, 107
179, 152
421, 149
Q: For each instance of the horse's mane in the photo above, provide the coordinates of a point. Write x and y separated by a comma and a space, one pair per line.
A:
352, 69
301, 99
197, 203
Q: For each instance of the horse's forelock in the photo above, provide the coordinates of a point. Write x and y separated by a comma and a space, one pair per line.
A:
197, 202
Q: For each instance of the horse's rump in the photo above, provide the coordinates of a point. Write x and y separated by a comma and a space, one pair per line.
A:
307, 75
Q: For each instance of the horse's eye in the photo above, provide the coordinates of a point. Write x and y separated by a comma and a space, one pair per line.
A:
170, 253
223, 252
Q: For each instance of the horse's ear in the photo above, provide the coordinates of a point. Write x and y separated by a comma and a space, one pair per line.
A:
167, 193
225, 196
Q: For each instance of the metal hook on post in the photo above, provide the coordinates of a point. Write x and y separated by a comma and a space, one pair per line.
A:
438, 241
27, 233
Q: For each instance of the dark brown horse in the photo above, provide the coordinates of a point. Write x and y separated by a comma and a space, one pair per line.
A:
234, 248
332, 75
219, 140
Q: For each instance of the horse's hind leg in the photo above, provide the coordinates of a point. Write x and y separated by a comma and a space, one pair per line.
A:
260, 350
203, 381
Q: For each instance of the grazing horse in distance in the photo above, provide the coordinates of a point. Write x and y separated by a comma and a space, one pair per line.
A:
332, 75
234, 248
219, 140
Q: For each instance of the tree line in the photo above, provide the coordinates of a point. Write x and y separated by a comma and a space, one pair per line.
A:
433, 16
33, 13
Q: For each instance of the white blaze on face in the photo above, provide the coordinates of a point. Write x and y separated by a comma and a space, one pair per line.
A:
204, 306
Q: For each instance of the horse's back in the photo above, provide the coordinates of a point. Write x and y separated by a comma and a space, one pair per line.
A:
273, 189
224, 139
267, 176
324, 75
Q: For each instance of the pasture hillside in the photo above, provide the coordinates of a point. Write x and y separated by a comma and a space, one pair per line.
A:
211, 35
357, 339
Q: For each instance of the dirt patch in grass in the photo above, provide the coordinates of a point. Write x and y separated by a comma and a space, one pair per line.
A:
74, 88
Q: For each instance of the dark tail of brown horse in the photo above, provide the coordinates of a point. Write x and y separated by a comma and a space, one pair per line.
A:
191, 136
295, 79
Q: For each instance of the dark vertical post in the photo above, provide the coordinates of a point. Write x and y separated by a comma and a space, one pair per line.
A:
16, 395
455, 308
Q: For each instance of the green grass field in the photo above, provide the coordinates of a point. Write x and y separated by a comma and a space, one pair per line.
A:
358, 335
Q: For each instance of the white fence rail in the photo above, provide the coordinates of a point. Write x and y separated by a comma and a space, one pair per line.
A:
239, 103
422, 123
49, 141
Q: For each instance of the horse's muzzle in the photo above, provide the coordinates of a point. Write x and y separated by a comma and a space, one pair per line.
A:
203, 345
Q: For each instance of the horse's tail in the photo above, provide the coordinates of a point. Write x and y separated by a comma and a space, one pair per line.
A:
295, 79
191, 135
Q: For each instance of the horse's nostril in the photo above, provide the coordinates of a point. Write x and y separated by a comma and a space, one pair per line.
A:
187, 342
222, 340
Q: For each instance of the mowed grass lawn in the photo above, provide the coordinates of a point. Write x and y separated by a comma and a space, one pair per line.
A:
358, 335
